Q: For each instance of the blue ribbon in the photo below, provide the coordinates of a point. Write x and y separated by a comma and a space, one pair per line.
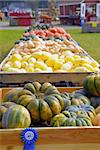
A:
29, 136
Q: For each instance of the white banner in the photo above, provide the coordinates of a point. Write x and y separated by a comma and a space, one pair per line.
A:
98, 10
83, 9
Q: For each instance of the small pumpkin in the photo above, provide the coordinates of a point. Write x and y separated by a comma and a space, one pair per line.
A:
67, 118
42, 100
92, 84
75, 99
95, 101
16, 116
81, 98
88, 109
3, 109
12, 95
58, 120
81, 92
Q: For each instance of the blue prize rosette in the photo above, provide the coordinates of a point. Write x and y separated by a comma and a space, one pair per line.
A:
29, 136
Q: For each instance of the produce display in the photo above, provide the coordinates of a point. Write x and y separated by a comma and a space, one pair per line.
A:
38, 104
46, 32
48, 49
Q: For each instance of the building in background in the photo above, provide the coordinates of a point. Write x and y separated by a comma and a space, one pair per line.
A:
29, 5
23, 4
75, 11
69, 11
33, 4
19, 9
48, 7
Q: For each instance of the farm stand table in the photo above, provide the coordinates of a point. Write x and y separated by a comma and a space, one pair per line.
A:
55, 138
21, 21
91, 27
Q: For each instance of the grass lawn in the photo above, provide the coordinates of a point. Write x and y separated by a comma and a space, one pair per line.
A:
7, 39
89, 41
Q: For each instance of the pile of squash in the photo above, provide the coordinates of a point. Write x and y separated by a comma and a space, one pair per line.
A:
39, 104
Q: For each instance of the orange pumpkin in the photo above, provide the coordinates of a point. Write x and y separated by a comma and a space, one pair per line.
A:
97, 110
96, 121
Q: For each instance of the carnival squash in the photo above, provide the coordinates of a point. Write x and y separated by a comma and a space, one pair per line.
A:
86, 109
3, 108
42, 100
67, 118
92, 84
16, 116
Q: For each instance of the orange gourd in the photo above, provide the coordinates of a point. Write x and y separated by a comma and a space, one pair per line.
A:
96, 121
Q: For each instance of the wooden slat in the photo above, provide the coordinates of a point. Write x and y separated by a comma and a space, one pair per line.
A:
61, 135
68, 89
1, 94
57, 147
76, 78
67, 147
5, 90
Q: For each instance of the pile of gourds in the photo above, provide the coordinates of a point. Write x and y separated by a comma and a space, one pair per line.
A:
48, 49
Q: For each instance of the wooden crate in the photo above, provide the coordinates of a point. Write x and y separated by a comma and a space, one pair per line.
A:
55, 138
17, 78
7, 78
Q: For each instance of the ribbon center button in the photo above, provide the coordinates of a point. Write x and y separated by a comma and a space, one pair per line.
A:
29, 135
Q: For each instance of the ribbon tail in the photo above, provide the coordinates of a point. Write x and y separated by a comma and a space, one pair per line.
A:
28, 147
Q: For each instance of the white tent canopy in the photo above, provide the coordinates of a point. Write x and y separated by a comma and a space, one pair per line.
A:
71, 2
